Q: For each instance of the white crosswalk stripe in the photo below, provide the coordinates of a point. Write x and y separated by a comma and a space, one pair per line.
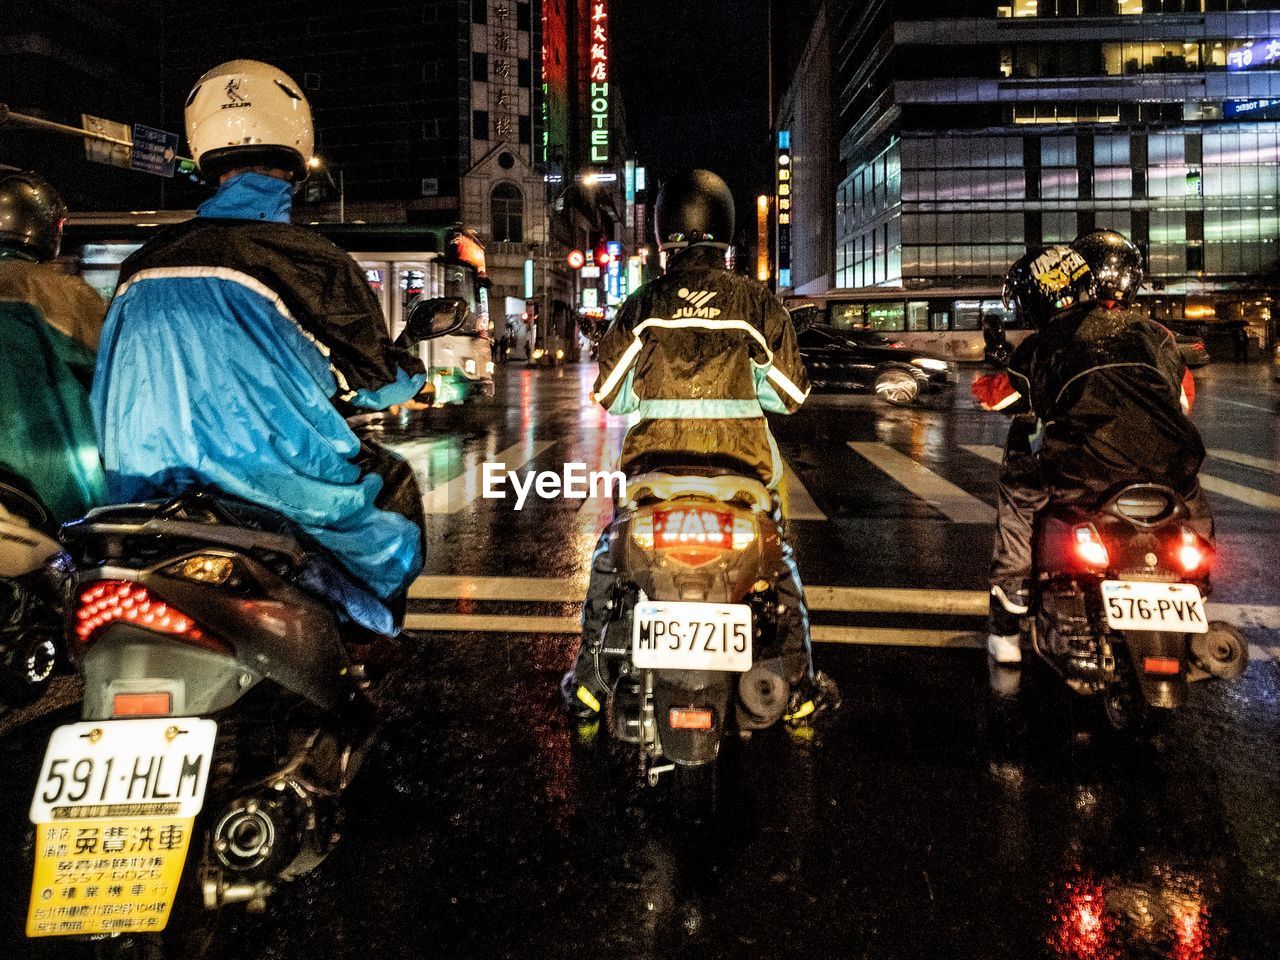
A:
1247, 460
943, 495
1215, 485
466, 488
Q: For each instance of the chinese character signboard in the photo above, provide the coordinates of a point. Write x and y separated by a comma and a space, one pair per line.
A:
598, 46
1258, 54
154, 151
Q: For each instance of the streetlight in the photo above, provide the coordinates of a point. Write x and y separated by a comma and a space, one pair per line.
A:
315, 163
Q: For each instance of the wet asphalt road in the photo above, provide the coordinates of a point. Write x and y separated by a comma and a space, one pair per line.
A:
928, 819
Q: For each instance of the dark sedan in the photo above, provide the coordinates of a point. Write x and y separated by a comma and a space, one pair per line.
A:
1192, 348
838, 359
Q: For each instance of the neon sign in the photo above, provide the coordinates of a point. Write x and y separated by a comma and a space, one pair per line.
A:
782, 193
599, 47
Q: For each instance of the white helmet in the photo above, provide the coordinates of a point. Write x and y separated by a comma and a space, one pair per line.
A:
249, 113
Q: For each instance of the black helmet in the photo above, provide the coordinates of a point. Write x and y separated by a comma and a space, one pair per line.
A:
1115, 262
694, 207
1045, 281
31, 215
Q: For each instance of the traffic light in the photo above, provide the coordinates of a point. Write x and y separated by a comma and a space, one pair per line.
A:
601, 255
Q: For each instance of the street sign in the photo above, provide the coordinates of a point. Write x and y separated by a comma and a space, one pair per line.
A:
99, 151
590, 272
154, 151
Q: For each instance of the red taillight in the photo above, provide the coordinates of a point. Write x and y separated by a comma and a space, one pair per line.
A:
142, 704
690, 718
693, 526
108, 601
1193, 553
1090, 548
1166, 666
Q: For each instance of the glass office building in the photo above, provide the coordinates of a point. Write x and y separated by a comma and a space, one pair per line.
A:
993, 127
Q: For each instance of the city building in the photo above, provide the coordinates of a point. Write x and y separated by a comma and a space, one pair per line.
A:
962, 140
100, 59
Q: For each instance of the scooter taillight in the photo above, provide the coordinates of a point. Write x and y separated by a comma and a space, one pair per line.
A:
693, 535
105, 602
1194, 554
1089, 548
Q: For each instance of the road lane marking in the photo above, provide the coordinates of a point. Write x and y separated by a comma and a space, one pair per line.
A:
1247, 460
1237, 491
818, 598
1236, 403
820, 633
987, 451
489, 623
527, 589
797, 504
944, 496
466, 488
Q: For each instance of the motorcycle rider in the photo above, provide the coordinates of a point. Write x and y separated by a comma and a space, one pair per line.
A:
50, 322
1110, 397
700, 354
233, 335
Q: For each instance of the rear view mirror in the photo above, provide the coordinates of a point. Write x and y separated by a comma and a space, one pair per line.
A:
429, 319
592, 328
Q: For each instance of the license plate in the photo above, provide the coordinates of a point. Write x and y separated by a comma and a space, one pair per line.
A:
678, 635
114, 810
1172, 607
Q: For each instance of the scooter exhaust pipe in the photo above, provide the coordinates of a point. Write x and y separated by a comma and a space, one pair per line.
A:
1222, 653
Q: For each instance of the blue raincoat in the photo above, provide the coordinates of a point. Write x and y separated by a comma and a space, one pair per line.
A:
222, 353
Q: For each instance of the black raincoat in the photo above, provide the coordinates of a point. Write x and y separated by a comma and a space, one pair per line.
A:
1108, 385
701, 353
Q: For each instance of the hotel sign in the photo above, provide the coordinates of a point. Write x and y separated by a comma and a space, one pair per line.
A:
599, 85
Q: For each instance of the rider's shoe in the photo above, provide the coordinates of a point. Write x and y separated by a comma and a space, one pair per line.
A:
812, 697
1005, 650
1004, 622
579, 702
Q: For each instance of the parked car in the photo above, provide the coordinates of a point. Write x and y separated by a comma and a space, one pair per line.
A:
1192, 348
858, 360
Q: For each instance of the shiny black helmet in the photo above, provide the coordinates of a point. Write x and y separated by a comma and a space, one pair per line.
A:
694, 207
1045, 281
31, 215
1115, 262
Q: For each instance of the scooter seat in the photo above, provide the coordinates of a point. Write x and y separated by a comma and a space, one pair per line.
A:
726, 488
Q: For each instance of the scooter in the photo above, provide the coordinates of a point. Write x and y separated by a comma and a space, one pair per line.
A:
34, 574
1118, 605
224, 714
690, 644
